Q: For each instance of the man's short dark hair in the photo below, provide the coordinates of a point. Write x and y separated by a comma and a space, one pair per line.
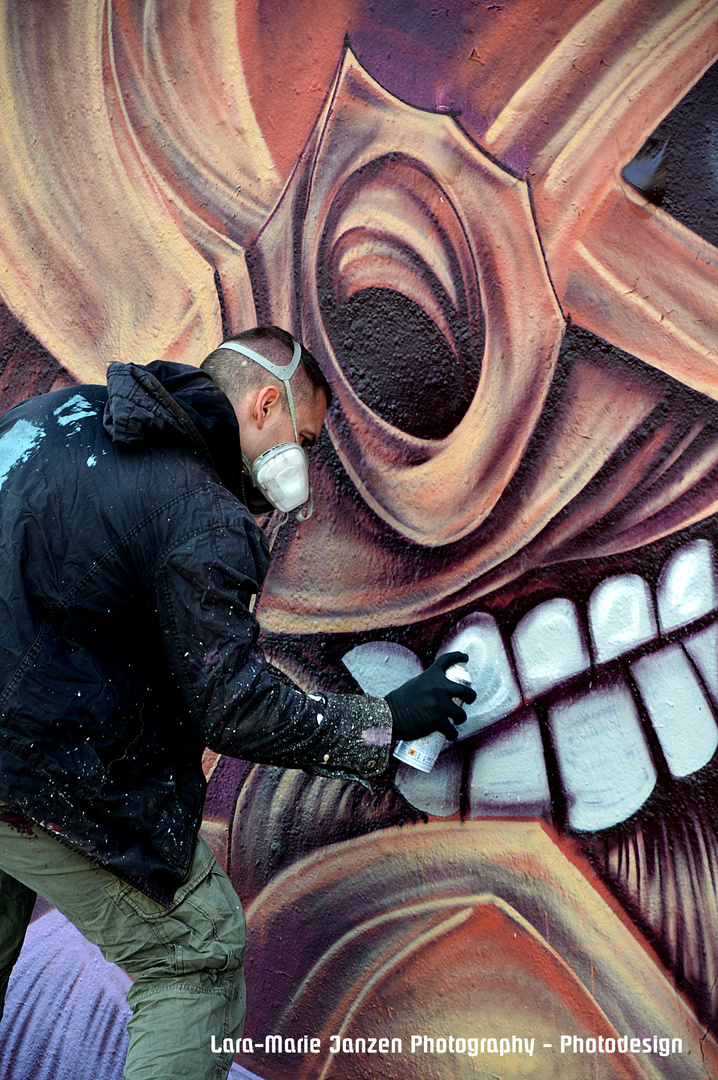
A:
235, 375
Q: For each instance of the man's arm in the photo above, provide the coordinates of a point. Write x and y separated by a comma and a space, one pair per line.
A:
203, 587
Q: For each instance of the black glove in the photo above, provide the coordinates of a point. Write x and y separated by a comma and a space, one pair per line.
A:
424, 704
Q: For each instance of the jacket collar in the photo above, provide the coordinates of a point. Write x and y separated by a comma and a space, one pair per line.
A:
164, 403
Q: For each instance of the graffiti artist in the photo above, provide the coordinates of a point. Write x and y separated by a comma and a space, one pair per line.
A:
131, 558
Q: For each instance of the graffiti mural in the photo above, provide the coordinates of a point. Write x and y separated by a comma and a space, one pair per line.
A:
494, 225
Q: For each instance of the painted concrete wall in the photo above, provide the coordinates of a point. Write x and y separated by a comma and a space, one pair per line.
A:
494, 224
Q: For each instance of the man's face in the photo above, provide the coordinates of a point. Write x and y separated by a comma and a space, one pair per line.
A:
270, 423
310, 419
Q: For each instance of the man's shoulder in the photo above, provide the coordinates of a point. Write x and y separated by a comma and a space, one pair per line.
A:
60, 407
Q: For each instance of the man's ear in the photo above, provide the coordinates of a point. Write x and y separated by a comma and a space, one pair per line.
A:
265, 404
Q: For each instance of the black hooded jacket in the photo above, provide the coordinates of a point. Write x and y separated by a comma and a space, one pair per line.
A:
126, 641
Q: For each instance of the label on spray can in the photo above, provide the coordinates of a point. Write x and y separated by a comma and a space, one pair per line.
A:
422, 753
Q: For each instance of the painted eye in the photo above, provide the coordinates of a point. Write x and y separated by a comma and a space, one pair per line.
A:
677, 166
409, 340
399, 362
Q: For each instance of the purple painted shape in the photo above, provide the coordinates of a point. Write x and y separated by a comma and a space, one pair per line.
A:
418, 52
412, 49
415, 52
65, 1011
238, 1073
223, 786
376, 736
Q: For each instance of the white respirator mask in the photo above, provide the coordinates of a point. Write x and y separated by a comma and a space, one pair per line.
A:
280, 474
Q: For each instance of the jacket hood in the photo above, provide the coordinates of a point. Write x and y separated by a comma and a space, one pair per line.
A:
164, 403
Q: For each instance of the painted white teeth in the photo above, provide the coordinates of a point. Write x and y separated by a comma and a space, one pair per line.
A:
679, 710
549, 646
497, 693
508, 774
606, 768
687, 587
381, 666
437, 793
703, 651
604, 762
620, 616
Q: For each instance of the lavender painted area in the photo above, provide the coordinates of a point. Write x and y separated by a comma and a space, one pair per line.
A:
65, 1011
238, 1073
376, 736
411, 48
222, 789
63, 998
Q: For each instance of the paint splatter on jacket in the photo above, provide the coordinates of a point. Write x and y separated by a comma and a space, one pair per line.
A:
126, 640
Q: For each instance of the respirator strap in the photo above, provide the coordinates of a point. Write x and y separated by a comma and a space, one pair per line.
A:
284, 372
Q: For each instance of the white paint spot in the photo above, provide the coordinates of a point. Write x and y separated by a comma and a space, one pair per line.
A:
678, 708
437, 792
73, 410
703, 651
489, 671
381, 666
17, 444
688, 585
92, 460
549, 646
620, 614
508, 772
606, 768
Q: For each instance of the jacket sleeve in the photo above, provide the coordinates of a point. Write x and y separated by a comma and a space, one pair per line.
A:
203, 590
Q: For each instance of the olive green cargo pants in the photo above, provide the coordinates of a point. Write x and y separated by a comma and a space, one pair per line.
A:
187, 963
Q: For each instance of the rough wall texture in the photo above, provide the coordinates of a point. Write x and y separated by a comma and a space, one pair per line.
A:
494, 224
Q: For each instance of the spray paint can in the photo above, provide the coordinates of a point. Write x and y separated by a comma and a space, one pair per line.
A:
422, 753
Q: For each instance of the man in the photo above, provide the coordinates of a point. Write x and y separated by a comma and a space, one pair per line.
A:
127, 645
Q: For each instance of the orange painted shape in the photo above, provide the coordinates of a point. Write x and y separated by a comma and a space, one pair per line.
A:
481, 928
